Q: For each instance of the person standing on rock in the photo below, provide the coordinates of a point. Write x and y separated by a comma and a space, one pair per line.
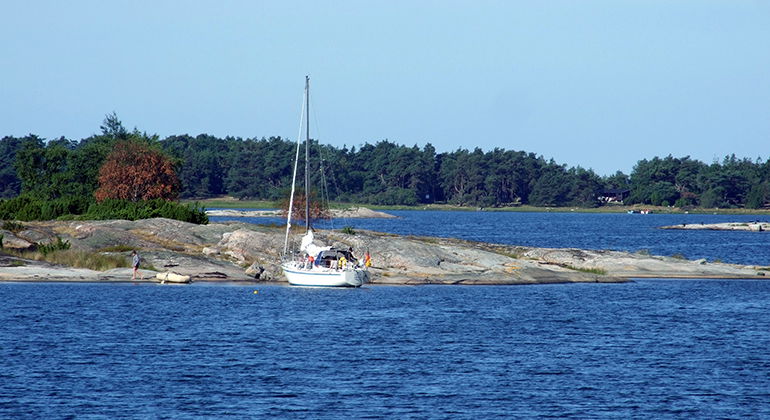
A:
135, 259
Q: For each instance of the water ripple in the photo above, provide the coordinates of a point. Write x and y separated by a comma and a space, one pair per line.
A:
649, 349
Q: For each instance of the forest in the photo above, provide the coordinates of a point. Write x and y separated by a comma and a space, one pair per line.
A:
384, 173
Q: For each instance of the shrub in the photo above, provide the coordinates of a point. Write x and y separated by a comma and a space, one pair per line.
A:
13, 226
69, 208
28, 208
129, 210
348, 230
77, 258
59, 245
599, 271
117, 248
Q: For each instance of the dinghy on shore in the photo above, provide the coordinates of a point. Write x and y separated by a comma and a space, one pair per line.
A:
170, 277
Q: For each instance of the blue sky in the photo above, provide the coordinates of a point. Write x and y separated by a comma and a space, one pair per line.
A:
597, 84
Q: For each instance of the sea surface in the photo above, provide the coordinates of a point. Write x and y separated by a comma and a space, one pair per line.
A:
613, 231
647, 349
651, 348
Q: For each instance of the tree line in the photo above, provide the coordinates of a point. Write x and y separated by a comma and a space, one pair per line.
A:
383, 173
386, 173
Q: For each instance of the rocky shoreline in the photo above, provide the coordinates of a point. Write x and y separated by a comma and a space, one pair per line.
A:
350, 213
242, 252
744, 226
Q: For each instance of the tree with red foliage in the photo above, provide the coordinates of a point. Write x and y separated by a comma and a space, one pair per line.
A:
135, 171
318, 209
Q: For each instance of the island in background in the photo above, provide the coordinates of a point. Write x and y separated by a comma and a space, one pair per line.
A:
346, 213
744, 226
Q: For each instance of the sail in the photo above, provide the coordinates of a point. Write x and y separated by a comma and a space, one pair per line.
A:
308, 247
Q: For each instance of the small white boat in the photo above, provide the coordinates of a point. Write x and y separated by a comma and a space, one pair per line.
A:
169, 277
315, 265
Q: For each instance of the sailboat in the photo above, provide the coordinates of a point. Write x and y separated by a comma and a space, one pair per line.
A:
314, 265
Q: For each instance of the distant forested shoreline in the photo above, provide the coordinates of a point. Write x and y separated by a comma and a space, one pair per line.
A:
384, 173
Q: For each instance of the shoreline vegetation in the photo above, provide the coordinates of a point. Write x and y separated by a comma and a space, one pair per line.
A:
248, 253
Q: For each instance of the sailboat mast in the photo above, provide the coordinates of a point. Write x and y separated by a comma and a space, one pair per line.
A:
307, 153
294, 177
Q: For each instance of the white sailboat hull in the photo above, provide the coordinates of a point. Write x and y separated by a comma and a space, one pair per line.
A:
324, 277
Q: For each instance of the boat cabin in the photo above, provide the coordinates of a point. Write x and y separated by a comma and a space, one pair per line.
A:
330, 257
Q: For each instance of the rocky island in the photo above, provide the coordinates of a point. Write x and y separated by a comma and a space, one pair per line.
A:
242, 252
349, 213
745, 226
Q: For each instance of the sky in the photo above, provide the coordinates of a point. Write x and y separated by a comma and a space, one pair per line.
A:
595, 84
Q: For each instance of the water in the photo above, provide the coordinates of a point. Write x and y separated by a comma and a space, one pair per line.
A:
613, 231
647, 349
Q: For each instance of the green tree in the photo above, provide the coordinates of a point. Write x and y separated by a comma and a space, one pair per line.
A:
112, 127
758, 196
501, 180
84, 163
205, 163
463, 176
619, 181
586, 187
262, 169
43, 169
729, 182
10, 184
713, 198
553, 188
663, 193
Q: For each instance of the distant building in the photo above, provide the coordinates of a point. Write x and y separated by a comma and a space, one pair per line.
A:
614, 195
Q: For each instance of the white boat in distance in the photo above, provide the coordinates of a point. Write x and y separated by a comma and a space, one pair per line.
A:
314, 265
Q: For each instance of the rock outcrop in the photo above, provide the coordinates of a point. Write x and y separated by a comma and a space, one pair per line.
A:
747, 226
349, 213
246, 252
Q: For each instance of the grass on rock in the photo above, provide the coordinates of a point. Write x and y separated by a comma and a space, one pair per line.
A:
76, 258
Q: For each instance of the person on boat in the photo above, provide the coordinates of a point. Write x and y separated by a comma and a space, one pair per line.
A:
311, 261
367, 259
342, 262
135, 259
352, 258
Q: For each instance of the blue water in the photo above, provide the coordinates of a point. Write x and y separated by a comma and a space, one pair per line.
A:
647, 349
613, 231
